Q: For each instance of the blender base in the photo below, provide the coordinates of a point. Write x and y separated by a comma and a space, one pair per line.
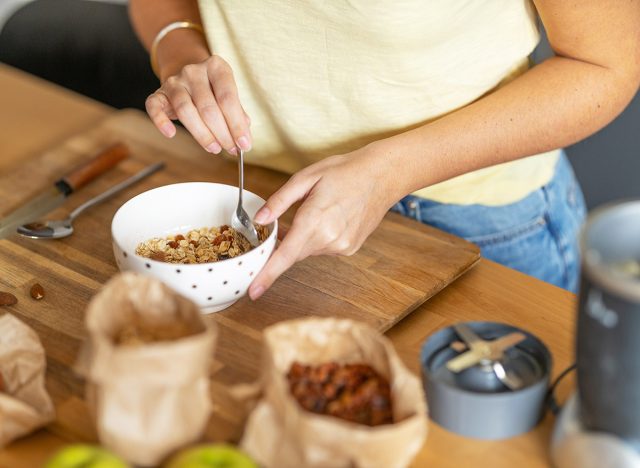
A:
573, 446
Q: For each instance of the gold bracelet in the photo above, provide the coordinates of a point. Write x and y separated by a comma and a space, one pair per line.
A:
153, 54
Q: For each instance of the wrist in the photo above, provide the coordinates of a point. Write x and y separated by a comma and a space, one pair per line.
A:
179, 48
390, 169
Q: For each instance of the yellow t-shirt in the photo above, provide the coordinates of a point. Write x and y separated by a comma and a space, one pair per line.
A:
320, 78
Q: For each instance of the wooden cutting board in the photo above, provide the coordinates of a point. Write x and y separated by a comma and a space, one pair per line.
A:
401, 265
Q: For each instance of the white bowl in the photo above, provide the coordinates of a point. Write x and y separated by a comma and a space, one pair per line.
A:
176, 209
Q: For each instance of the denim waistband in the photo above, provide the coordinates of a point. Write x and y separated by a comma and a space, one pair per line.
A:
475, 221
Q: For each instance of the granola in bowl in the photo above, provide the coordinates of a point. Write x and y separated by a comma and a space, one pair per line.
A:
203, 245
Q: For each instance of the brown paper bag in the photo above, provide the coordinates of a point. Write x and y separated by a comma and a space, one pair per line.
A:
25, 405
147, 399
280, 433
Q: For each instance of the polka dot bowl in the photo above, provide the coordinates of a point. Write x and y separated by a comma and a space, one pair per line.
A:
176, 209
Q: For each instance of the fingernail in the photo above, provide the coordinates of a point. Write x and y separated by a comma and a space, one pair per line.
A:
256, 292
243, 142
262, 215
167, 130
214, 148
233, 151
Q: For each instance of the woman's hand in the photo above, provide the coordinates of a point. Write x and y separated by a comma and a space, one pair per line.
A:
344, 200
204, 97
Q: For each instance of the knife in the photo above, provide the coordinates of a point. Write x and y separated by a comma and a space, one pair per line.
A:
55, 196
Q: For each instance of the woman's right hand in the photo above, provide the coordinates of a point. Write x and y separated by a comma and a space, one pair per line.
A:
204, 97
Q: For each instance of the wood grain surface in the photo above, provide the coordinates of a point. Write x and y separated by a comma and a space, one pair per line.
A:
400, 266
37, 115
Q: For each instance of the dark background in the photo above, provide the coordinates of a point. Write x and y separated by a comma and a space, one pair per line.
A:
90, 47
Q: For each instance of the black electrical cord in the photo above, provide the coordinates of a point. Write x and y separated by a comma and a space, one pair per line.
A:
551, 401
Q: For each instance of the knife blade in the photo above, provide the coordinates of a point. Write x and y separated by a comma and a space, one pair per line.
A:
54, 196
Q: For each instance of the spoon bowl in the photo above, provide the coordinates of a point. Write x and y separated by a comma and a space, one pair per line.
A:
47, 229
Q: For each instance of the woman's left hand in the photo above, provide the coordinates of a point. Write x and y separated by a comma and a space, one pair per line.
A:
344, 199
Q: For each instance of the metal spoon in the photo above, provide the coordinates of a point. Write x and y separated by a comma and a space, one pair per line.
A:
240, 221
64, 228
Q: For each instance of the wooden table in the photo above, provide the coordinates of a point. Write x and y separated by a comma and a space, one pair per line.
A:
36, 115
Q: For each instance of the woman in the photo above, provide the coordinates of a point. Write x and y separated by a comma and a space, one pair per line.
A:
425, 107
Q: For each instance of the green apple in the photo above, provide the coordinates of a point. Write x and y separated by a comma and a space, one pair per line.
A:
211, 456
85, 456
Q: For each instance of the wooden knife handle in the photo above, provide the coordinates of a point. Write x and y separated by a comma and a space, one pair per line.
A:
104, 161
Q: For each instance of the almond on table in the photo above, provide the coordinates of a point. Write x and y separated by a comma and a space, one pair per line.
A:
37, 291
7, 299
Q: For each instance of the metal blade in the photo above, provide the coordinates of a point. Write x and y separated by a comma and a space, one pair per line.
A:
500, 345
467, 334
458, 346
31, 211
507, 376
464, 361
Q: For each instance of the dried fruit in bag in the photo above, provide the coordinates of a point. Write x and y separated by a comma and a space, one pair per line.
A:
353, 392
341, 354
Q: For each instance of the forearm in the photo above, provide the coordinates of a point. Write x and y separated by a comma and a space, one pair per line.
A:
178, 48
553, 105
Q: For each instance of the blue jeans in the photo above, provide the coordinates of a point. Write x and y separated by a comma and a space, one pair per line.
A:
537, 235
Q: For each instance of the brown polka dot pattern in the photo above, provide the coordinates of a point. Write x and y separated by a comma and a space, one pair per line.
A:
227, 286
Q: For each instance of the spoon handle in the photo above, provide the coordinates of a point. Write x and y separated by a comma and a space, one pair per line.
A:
117, 188
240, 177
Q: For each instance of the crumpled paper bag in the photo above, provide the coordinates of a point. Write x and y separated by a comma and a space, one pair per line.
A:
25, 404
280, 433
152, 398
